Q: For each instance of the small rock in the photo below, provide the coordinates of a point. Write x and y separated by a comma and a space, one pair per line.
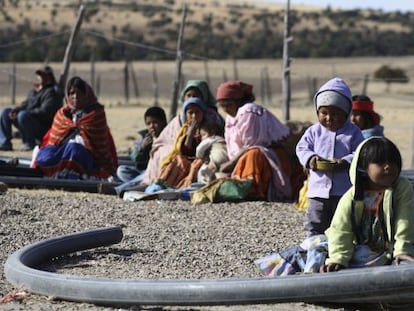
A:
3, 188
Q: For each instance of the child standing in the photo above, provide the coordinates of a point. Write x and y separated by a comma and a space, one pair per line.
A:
334, 138
212, 150
364, 116
374, 221
155, 121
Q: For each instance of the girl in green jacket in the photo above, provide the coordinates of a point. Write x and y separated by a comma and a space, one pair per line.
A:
374, 222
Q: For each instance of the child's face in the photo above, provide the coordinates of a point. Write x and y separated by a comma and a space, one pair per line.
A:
333, 118
358, 119
154, 125
204, 133
192, 92
194, 113
382, 175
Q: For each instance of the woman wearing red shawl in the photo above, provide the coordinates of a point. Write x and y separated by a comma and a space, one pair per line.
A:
79, 145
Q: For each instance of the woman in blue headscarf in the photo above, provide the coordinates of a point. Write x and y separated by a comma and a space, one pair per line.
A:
165, 142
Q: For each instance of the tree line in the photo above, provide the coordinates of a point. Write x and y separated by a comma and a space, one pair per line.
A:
342, 34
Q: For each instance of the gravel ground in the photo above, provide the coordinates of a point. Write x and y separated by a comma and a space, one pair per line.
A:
162, 239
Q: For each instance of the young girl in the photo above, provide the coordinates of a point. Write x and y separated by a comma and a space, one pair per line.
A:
374, 221
364, 116
179, 168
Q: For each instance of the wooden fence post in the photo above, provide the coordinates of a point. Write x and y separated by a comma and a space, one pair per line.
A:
179, 60
235, 70
155, 83
69, 51
268, 91
286, 92
134, 80
224, 75
98, 85
126, 82
12, 79
206, 72
311, 87
262, 86
92, 60
365, 84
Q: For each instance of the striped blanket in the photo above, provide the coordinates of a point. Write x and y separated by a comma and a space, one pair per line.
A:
80, 149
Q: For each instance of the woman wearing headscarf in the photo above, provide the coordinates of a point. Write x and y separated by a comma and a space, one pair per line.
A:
253, 137
79, 145
164, 143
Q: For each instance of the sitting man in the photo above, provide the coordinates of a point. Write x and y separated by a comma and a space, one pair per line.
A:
34, 116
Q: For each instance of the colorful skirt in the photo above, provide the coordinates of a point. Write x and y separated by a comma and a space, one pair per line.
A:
68, 161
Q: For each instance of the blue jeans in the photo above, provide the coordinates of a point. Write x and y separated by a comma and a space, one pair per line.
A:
30, 128
127, 172
130, 176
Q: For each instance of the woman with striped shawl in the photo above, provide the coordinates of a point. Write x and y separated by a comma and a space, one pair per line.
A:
79, 145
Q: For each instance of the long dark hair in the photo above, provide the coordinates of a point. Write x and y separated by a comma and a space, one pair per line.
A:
377, 150
78, 83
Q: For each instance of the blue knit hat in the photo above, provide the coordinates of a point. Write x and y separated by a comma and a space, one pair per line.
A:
336, 93
192, 101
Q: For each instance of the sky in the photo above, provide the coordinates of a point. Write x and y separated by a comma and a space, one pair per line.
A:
385, 5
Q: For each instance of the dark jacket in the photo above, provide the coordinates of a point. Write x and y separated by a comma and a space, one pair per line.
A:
140, 155
42, 104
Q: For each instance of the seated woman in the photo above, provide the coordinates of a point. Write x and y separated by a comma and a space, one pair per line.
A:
165, 141
179, 168
79, 145
253, 136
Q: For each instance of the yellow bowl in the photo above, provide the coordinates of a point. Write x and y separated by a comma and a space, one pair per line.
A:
325, 165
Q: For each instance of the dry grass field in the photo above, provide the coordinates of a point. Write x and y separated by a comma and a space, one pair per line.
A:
395, 105
28, 219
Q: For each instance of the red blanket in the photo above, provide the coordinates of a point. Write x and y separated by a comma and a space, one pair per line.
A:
94, 130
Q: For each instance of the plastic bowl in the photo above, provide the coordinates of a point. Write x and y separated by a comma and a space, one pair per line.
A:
325, 165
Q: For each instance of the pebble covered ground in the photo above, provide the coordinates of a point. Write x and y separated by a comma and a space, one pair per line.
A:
162, 240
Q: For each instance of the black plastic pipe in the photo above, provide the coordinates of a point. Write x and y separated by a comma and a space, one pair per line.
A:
91, 186
366, 285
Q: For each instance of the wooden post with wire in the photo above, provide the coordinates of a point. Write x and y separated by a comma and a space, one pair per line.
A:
92, 61
12, 79
69, 51
179, 60
286, 91
155, 83
134, 80
126, 82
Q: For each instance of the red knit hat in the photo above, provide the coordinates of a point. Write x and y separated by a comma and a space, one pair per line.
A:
234, 89
367, 106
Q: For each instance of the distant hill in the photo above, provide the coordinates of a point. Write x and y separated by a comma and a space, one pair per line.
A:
116, 30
